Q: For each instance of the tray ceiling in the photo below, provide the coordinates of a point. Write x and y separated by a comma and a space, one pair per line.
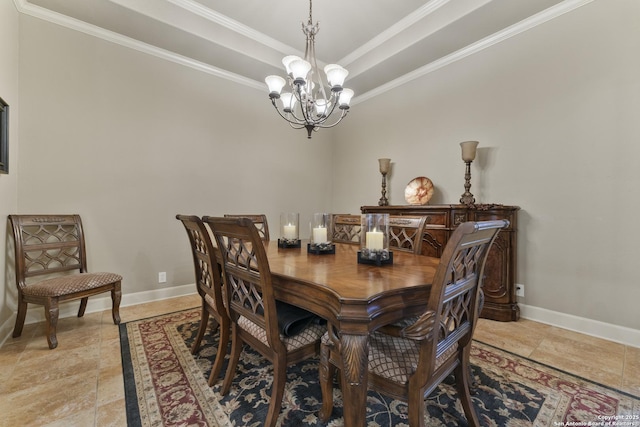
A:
382, 43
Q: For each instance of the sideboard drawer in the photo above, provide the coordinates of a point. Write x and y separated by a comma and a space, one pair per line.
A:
436, 219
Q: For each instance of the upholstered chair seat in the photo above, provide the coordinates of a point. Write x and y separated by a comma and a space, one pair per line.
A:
309, 335
64, 285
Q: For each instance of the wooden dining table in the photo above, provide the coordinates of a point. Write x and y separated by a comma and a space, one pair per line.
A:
356, 299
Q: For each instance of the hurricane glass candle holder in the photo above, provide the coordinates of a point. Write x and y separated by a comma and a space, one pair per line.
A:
289, 230
374, 240
321, 234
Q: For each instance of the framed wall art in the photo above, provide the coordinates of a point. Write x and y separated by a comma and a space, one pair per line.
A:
4, 137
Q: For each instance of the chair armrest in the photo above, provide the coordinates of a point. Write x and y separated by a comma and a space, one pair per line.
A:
422, 329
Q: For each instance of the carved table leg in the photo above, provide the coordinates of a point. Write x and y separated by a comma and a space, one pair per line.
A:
355, 352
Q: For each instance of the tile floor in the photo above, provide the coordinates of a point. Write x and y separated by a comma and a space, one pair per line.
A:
80, 383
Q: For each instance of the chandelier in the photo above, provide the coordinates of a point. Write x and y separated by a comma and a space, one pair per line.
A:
306, 104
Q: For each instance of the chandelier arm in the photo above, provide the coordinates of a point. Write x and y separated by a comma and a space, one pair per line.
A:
322, 119
303, 102
342, 116
297, 121
308, 114
297, 92
305, 108
334, 102
321, 125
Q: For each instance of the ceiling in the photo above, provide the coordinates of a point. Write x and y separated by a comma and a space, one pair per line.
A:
381, 42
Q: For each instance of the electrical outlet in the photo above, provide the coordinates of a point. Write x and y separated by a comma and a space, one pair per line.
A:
162, 277
519, 290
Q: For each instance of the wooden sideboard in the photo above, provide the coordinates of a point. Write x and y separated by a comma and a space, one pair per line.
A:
500, 279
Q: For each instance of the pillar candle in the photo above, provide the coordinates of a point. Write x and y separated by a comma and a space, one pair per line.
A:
319, 235
374, 240
290, 232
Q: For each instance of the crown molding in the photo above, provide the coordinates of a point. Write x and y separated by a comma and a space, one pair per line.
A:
511, 31
27, 8
23, 6
233, 25
393, 31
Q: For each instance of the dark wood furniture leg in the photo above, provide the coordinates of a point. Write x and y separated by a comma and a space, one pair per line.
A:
116, 297
354, 354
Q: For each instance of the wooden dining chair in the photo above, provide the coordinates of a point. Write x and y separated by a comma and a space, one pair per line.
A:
209, 286
51, 267
346, 228
405, 233
253, 308
410, 362
259, 220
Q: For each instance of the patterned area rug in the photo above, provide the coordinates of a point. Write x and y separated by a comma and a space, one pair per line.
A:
165, 385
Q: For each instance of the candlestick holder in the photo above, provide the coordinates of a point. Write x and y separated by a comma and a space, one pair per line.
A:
321, 235
289, 230
385, 165
374, 240
468, 155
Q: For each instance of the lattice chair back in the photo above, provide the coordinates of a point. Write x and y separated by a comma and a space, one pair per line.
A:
405, 233
259, 220
51, 267
207, 271
452, 308
209, 285
247, 274
346, 228
48, 246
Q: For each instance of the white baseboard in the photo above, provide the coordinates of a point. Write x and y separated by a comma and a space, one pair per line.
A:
595, 328
608, 331
35, 313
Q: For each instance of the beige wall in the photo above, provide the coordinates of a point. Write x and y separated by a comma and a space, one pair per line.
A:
128, 140
556, 112
8, 183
